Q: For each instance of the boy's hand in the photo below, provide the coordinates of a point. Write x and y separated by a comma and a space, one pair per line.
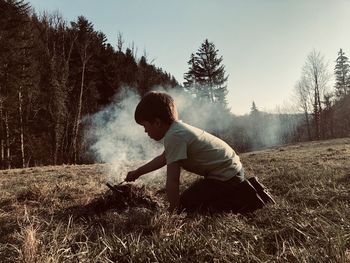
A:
132, 176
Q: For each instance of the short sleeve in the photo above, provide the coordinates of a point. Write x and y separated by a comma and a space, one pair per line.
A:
175, 149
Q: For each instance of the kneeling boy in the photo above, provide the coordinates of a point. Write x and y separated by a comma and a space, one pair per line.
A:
223, 187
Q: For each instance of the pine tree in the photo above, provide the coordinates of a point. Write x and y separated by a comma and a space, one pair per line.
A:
254, 109
129, 68
342, 75
256, 126
206, 77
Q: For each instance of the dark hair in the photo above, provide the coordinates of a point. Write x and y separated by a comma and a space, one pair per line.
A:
156, 105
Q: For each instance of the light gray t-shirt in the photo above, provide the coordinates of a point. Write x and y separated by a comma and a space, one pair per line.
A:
200, 152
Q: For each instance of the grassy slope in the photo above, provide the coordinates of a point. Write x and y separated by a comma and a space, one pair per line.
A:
310, 223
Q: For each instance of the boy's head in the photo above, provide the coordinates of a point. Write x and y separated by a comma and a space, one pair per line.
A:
156, 112
156, 105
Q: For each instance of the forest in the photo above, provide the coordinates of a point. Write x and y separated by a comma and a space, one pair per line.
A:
54, 73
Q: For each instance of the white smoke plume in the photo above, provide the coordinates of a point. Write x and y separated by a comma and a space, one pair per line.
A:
210, 117
115, 138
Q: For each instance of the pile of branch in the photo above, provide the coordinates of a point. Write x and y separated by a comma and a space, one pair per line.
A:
122, 197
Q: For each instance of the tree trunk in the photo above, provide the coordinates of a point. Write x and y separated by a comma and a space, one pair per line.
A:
61, 117
317, 109
21, 126
8, 151
55, 153
77, 122
2, 138
308, 125
65, 150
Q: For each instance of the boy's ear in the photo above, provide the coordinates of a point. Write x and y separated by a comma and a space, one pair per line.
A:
157, 121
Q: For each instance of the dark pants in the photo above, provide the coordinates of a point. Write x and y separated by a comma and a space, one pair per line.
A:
235, 195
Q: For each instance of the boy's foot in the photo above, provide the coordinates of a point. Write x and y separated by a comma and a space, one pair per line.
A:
262, 190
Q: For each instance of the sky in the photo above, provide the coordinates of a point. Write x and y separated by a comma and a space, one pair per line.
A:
264, 43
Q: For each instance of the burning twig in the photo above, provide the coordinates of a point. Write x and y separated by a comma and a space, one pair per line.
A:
114, 188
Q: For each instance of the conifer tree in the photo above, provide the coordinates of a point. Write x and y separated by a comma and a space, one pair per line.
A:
206, 77
254, 109
342, 75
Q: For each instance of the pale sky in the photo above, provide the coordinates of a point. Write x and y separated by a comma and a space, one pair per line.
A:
264, 43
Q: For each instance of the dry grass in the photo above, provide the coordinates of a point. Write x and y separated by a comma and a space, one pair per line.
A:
41, 217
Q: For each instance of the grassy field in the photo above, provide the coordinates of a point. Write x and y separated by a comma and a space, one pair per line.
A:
50, 214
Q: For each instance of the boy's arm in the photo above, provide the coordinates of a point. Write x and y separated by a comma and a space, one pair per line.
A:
152, 165
172, 185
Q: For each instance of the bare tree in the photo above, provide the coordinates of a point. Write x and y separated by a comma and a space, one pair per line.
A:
84, 43
134, 50
317, 77
304, 101
120, 41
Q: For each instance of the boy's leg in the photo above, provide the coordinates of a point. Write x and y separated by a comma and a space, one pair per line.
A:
233, 195
200, 194
207, 194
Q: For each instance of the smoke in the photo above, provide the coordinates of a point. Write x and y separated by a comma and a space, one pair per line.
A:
266, 130
115, 138
211, 117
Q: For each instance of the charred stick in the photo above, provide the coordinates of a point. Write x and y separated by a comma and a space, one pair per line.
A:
110, 186
113, 187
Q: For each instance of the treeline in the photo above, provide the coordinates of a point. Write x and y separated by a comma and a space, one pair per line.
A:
51, 75
258, 130
326, 109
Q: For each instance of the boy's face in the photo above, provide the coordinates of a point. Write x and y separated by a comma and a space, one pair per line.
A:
154, 129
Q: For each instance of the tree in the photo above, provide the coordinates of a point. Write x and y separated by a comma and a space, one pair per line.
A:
17, 77
316, 76
304, 102
57, 43
206, 77
342, 75
129, 68
120, 42
254, 110
52, 75
328, 116
84, 43
256, 126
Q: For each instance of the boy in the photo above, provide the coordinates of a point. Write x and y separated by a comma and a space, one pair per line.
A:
223, 187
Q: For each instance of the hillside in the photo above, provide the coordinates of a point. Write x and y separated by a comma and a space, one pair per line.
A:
61, 214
